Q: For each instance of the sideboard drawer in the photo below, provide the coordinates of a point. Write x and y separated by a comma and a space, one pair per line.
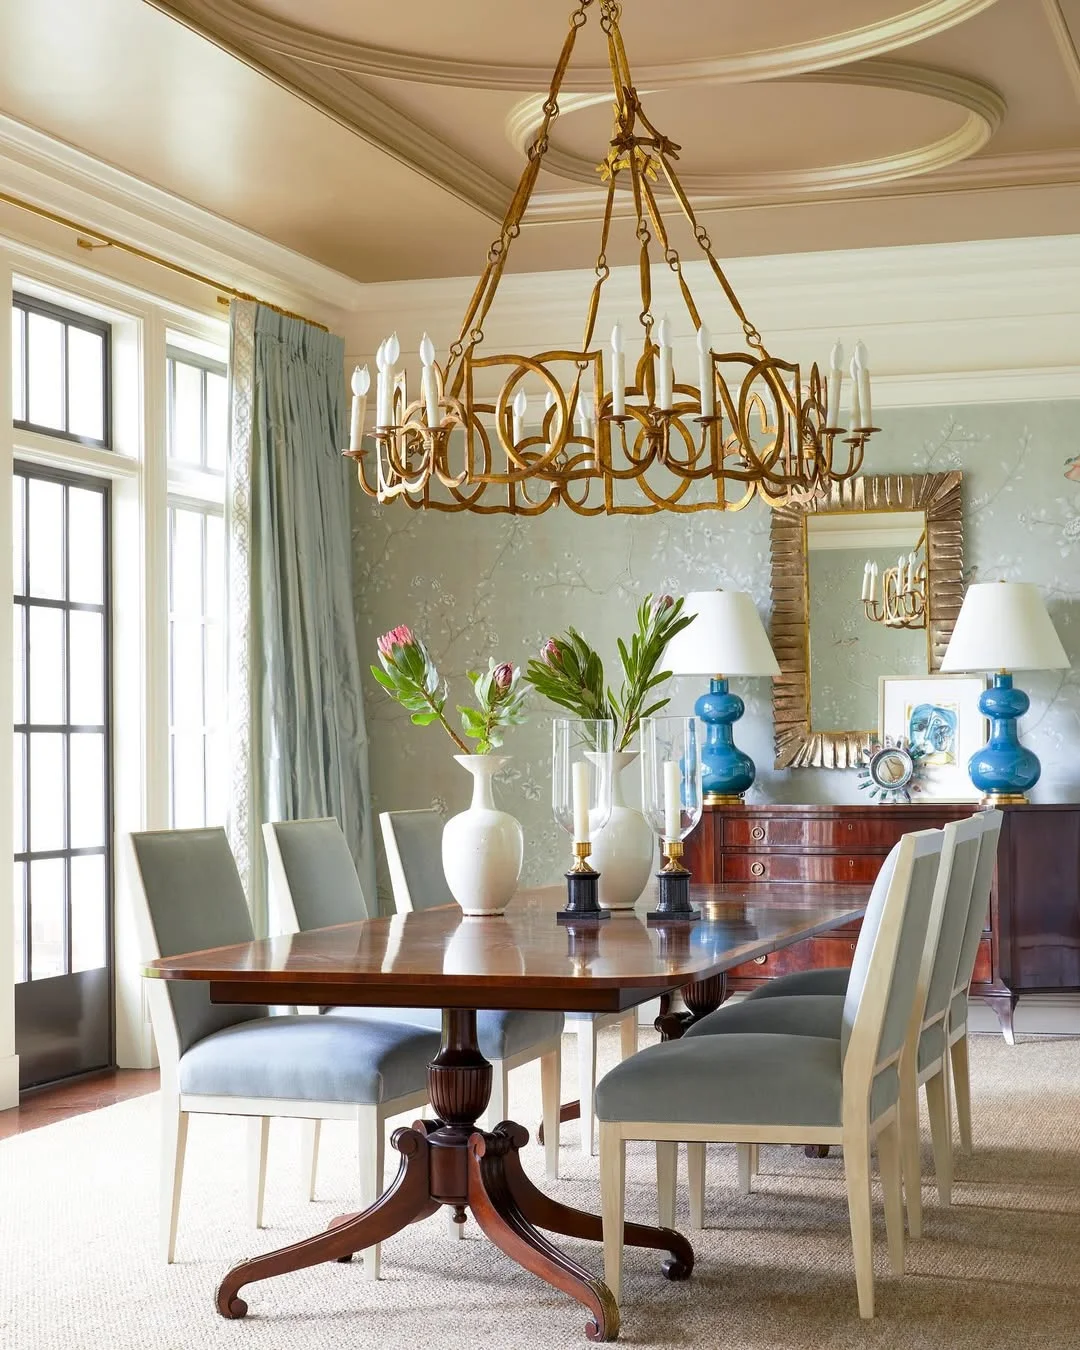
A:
984, 963
813, 954
830, 833
860, 868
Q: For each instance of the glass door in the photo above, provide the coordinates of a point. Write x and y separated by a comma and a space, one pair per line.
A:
63, 825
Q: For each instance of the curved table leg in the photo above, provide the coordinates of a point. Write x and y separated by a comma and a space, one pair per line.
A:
406, 1200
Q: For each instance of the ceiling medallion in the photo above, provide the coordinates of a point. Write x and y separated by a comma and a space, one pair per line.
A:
751, 425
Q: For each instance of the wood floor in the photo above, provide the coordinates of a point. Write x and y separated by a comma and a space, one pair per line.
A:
44, 1106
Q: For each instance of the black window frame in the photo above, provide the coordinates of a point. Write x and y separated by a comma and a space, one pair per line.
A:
69, 318
208, 366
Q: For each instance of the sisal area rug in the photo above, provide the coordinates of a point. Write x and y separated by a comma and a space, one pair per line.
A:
79, 1268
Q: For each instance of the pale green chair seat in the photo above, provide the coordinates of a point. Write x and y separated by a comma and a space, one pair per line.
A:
365, 1061
804, 1015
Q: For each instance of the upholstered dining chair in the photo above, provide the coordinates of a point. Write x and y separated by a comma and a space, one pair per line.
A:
238, 1060
413, 842
775, 1088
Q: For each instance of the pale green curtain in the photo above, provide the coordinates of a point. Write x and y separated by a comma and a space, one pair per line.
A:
296, 708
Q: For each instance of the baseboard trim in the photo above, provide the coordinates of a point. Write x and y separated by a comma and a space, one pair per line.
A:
9, 1082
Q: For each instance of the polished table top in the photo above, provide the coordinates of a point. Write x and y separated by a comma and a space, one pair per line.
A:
523, 959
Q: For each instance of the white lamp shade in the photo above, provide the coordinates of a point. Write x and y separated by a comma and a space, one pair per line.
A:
1003, 625
726, 638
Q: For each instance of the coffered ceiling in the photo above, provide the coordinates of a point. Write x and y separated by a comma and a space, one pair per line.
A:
385, 140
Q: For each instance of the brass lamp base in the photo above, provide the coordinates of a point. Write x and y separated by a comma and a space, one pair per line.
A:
722, 799
1003, 799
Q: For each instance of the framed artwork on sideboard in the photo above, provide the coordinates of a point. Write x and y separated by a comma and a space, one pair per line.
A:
938, 717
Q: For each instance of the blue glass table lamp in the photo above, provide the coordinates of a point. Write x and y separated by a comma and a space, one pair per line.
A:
1003, 626
726, 638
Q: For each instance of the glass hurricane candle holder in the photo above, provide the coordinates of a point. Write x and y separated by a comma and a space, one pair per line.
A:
671, 803
581, 782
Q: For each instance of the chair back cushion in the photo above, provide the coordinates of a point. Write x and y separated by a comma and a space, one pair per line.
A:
860, 961
317, 870
959, 860
980, 899
413, 841
194, 901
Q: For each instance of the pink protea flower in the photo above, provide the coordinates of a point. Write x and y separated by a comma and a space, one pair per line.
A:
503, 677
551, 652
662, 602
402, 636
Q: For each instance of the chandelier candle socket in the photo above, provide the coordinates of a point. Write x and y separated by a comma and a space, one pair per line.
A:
754, 425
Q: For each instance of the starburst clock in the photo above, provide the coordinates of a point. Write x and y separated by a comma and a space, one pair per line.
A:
892, 771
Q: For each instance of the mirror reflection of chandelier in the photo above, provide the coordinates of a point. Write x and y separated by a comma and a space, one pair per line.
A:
903, 591
746, 424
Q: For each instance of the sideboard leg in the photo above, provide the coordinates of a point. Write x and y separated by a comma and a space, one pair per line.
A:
1004, 1006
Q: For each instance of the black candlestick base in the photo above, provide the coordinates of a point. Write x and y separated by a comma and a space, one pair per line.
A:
673, 898
582, 898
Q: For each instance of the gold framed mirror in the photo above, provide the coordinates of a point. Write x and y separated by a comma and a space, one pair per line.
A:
830, 644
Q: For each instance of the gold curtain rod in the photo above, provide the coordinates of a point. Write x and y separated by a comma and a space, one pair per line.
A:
106, 241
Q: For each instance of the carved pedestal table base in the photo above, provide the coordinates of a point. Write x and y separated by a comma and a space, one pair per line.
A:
448, 1161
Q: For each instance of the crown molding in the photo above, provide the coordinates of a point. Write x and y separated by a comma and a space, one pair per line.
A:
57, 177
237, 19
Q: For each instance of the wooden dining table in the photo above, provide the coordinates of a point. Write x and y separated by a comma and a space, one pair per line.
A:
524, 959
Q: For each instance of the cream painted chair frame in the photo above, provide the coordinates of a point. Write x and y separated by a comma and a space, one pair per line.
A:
178, 1107
856, 1134
585, 1027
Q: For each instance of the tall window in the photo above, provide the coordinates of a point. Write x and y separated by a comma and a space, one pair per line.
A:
60, 372
198, 431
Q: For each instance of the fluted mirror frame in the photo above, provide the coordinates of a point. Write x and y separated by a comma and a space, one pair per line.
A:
798, 745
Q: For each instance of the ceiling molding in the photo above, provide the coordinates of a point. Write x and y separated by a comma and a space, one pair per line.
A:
242, 20
1064, 41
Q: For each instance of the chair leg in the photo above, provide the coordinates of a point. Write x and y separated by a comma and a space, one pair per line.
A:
910, 1147
550, 1092
258, 1147
892, 1185
857, 1176
311, 1136
695, 1172
371, 1140
961, 1080
937, 1102
746, 1154
628, 1035
498, 1109
586, 1050
667, 1163
174, 1129
612, 1203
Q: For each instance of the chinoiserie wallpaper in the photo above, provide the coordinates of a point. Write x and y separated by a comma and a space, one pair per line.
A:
479, 586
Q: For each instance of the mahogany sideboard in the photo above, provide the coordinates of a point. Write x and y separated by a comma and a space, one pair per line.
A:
1031, 942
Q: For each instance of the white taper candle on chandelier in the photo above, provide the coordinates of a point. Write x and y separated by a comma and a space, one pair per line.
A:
519, 408
706, 378
672, 800
382, 400
911, 572
862, 365
361, 383
866, 582
873, 581
665, 376
584, 412
856, 406
428, 388
618, 374
836, 379
579, 785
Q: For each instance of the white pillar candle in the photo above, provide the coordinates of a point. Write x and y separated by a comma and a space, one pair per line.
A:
361, 383
617, 374
665, 377
862, 364
672, 800
836, 379
706, 377
519, 408
381, 399
580, 793
856, 407
428, 388
866, 582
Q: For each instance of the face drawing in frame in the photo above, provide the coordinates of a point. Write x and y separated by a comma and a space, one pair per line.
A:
931, 728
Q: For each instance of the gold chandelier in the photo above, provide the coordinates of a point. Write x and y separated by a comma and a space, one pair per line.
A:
751, 425
903, 591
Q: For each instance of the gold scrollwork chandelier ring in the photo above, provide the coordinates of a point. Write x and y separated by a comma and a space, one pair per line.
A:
752, 425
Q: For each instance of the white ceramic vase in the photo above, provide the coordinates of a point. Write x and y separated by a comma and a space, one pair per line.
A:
623, 850
482, 847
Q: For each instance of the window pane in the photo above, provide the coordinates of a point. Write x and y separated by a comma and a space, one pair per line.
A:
46, 665
185, 564
87, 913
46, 791
217, 420
215, 566
86, 541
86, 383
186, 443
87, 668
186, 674
18, 362
188, 806
46, 539
18, 674
215, 676
18, 533
18, 783
87, 789
46, 359
19, 892
47, 953
218, 778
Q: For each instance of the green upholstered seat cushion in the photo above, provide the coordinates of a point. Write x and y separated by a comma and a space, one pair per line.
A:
747, 1079
501, 1034
800, 1015
833, 980
316, 1059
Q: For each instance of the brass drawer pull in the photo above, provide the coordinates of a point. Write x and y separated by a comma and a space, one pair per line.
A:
758, 832
757, 869
760, 960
